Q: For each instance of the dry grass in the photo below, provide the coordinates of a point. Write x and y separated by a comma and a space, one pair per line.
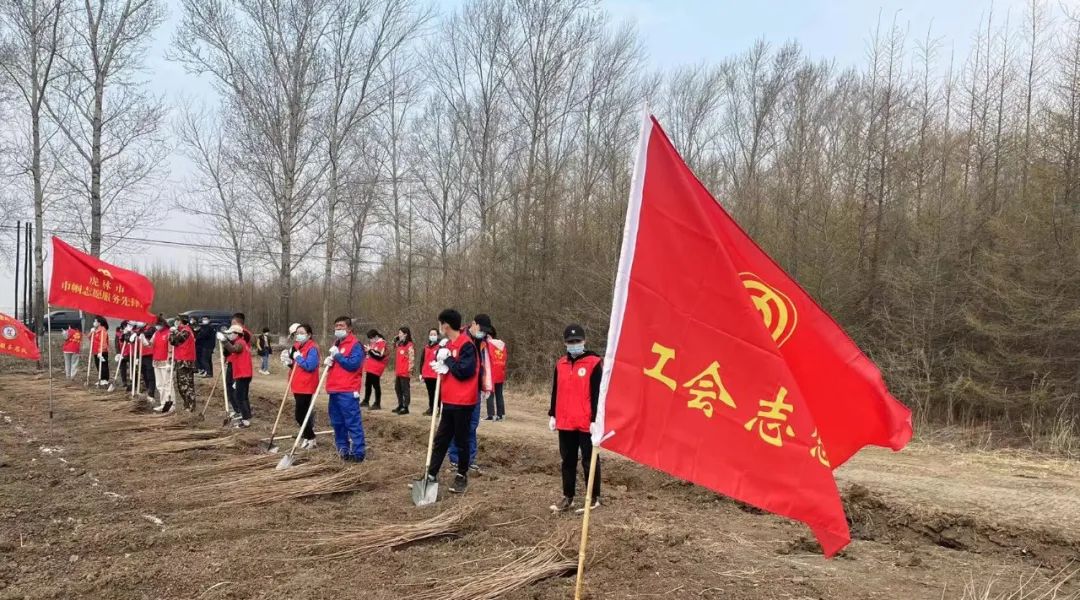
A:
157, 446
355, 540
269, 485
550, 558
1032, 587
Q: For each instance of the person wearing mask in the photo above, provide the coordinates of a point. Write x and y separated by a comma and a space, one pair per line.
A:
99, 348
124, 352
456, 363
575, 392
303, 356
72, 348
479, 329
204, 347
239, 357
403, 366
182, 338
345, 361
263, 348
374, 368
497, 355
428, 374
145, 342
162, 373
230, 389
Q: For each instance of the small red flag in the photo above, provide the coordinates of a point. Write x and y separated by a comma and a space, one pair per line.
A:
720, 369
17, 340
86, 283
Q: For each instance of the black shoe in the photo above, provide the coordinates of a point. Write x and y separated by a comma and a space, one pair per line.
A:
396, 410
489, 418
563, 505
427, 413
364, 404
403, 411
461, 483
376, 407
500, 418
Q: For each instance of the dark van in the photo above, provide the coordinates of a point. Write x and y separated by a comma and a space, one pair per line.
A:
218, 318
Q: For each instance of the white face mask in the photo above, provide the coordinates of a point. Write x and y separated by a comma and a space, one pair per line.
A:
432, 338
340, 333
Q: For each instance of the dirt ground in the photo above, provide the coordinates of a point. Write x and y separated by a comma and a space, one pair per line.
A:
80, 518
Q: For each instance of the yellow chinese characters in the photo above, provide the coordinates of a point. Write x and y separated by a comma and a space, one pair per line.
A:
664, 354
706, 387
771, 420
818, 451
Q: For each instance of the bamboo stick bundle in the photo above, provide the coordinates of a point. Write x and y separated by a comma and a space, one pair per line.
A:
358, 540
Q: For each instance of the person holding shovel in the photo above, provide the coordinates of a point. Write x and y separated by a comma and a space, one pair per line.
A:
346, 361
162, 371
239, 357
182, 338
458, 365
99, 347
72, 349
303, 356
145, 342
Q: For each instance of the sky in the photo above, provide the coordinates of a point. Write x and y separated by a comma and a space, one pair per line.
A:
674, 32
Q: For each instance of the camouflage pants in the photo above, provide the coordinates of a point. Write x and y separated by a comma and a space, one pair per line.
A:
185, 382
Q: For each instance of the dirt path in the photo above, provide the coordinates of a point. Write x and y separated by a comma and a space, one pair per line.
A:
77, 523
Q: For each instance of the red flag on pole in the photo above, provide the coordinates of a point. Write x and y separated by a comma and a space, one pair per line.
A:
16, 340
720, 369
95, 286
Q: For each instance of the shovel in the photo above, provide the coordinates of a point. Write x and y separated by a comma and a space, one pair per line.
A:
287, 460
119, 369
224, 386
209, 396
270, 446
425, 491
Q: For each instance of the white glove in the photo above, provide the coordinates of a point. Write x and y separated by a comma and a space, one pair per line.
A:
334, 351
285, 355
127, 329
442, 354
439, 367
234, 385
220, 337
356, 395
297, 355
101, 356
551, 423
286, 362
119, 357
328, 361
173, 329
594, 429
443, 342
131, 338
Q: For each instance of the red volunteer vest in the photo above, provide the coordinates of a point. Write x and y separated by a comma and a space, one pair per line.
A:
573, 406
402, 368
498, 362
186, 349
161, 344
339, 380
455, 391
425, 367
146, 345
73, 344
304, 382
240, 361
99, 341
377, 366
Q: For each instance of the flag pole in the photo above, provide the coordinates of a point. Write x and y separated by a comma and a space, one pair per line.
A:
47, 334
585, 524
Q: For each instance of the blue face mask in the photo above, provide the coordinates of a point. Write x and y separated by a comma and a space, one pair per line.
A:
480, 335
301, 337
340, 333
575, 349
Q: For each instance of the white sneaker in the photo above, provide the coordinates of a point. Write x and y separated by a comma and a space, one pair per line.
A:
103, 383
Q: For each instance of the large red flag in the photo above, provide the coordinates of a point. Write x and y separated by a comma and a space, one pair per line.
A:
17, 340
95, 286
720, 369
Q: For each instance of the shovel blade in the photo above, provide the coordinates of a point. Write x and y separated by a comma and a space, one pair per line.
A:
273, 449
285, 462
425, 492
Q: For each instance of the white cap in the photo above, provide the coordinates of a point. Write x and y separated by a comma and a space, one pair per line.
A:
293, 328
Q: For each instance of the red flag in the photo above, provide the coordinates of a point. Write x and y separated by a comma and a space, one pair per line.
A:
720, 369
17, 340
95, 286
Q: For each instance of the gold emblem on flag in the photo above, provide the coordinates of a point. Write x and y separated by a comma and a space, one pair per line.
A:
777, 310
105, 272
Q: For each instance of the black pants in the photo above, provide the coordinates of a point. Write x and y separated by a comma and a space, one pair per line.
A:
303, 401
125, 371
371, 382
404, 394
430, 383
204, 359
240, 398
571, 443
453, 425
495, 405
148, 379
101, 363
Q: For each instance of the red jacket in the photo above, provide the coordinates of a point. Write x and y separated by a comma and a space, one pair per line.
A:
405, 356
429, 355
373, 365
304, 381
73, 343
497, 355
161, 344
340, 379
464, 362
99, 340
240, 361
574, 392
185, 350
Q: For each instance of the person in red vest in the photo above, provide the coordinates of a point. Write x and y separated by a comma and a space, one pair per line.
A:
163, 373
497, 355
72, 348
145, 342
575, 391
182, 338
374, 368
427, 374
99, 348
479, 330
403, 366
239, 357
304, 357
456, 362
124, 350
346, 361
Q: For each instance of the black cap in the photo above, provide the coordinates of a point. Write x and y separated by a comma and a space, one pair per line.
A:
573, 332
